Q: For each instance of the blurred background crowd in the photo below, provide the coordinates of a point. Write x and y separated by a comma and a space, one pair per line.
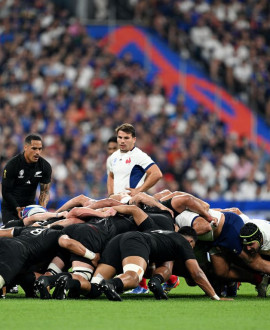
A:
59, 82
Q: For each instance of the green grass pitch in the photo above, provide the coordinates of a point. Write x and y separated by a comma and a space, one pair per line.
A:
187, 308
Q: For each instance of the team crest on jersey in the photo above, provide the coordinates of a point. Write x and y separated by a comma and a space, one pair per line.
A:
128, 161
5, 174
21, 173
38, 174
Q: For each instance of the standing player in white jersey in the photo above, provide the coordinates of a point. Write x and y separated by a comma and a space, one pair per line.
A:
130, 169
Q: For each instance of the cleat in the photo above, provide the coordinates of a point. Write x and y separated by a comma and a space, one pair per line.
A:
168, 287
40, 288
157, 289
60, 291
262, 288
109, 290
14, 289
138, 290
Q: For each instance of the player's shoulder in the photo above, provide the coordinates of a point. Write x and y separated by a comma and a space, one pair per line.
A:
15, 160
114, 154
44, 163
138, 152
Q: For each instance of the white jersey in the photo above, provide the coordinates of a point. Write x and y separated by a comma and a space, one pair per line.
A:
264, 227
129, 168
186, 218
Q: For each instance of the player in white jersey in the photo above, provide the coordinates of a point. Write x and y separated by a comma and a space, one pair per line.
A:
262, 246
203, 228
130, 168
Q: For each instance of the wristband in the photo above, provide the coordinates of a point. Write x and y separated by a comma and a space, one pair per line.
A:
89, 254
215, 297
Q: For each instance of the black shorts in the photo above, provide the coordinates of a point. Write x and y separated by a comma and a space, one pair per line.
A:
8, 214
123, 246
13, 257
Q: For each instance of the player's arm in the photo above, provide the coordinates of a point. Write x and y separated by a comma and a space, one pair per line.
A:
83, 212
106, 202
76, 247
43, 217
256, 262
162, 194
186, 201
8, 183
138, 214
153, 175
149, 200
8, 232
44, 194
230, 209
200, 279
110, 183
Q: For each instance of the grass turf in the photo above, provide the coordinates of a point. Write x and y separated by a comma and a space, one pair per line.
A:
187, 308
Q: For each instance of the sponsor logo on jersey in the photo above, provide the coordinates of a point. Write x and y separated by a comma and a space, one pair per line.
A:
38, 174
21, 173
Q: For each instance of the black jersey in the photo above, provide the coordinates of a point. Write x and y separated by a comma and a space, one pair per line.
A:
168, 245
168, 204
29, 246
20, 180
161, 218
41, 243
114, 225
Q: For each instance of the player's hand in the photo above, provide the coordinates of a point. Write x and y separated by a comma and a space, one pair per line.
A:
164, 208
19, 211
213, 221
109, 211
63, 214
226, 299
133, 191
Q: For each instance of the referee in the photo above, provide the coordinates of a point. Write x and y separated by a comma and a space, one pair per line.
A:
21, 177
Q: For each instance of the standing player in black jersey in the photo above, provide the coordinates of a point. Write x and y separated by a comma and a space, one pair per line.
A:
129, 254
21, 177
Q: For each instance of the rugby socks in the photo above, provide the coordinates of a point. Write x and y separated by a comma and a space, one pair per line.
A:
172, 279
118, 284
143, 283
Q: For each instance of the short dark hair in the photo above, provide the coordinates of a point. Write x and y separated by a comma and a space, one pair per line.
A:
127, 128
188, 231
250, 233
31, 137
112, 139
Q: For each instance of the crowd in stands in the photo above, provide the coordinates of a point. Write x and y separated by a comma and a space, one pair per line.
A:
59, 82
230, 38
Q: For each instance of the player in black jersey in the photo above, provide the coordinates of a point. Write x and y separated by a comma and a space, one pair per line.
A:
31, 245
94, 235
128, 255
21, 177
